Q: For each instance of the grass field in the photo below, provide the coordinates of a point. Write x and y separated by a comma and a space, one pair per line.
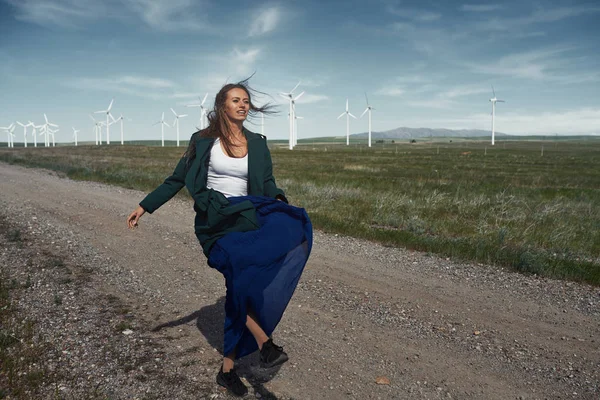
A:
532, 205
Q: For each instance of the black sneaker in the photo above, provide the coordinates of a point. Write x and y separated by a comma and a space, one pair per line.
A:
272, 355
232, 382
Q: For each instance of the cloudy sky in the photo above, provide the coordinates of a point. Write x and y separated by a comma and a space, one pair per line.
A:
422, 64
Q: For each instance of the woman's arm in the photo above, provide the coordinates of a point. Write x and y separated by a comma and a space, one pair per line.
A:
167, 189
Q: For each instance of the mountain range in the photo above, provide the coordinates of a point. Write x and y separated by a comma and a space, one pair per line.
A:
413, 133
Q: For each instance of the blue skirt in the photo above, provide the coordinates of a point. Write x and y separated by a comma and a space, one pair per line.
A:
261, 269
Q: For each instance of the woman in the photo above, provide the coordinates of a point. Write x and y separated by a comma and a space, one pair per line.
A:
246, 228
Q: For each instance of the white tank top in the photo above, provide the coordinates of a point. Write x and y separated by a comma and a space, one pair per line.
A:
227, 175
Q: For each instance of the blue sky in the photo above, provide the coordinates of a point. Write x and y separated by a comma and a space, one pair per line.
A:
422, 64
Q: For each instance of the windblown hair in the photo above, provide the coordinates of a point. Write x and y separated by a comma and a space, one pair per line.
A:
219, 125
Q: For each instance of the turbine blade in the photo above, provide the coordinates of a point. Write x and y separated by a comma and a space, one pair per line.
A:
110, 105
204, 99
366, 109
174, 113
341, 115
493, 91
295, 87
350, 114
367, 98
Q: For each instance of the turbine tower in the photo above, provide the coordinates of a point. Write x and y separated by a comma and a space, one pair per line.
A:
97, 130
8, 130
117, 120
75, 131
348, 115
108, 114
202, 110
162, 128
290, 97
294, 132
24, 133
494, 100
369, 108
11, 136
176, 123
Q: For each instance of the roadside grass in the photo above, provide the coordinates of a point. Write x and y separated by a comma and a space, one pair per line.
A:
511, 204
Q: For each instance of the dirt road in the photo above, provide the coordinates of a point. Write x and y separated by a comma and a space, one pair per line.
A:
431, 327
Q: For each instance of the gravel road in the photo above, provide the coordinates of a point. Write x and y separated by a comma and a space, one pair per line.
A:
142, 316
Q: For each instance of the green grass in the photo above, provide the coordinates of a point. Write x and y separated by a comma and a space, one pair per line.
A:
506, 205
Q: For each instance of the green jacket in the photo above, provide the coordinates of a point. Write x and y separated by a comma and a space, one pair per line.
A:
215, 217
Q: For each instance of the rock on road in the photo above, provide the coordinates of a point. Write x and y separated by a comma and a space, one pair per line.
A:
366, 322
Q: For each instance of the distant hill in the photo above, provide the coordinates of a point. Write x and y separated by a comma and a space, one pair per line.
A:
410, 133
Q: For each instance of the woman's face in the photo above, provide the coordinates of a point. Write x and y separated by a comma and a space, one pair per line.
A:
237, 105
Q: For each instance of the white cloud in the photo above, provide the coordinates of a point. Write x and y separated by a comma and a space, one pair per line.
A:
538, 16
265, 21
415, 15
170, 15
61, 13
569, 122
480, 7
308, 98
140, 86
390, 91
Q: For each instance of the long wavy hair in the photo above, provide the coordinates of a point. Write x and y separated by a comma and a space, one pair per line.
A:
218, 123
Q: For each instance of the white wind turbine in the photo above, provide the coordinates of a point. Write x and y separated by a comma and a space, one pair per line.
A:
7, 129
97, 130
369, 108
75, 131
290, 97
162, 128
296, 118
108, 114
294, 132
24, 133
46, 130
348, 115
117, 120
35, 127
11, 136
52, 132
176, 123
494, 100
202, 111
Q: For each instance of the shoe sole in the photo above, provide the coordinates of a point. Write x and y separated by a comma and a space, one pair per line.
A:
280, 360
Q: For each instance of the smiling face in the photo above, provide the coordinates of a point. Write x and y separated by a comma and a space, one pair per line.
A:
237, 105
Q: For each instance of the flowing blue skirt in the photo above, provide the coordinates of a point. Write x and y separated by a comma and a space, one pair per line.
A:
261, 269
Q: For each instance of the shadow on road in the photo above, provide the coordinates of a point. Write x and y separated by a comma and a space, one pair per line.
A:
209, 321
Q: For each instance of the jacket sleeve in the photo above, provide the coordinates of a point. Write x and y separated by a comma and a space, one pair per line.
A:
167, 189
271, 189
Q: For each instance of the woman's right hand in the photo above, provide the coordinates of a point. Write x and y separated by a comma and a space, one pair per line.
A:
134, 217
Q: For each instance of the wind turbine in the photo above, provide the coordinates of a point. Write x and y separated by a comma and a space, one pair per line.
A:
35, 127
296, 118
162, 128
202, 110
494, 100
294, 133
290, 97
75, 135
107, 111
176, 123
11, 136
348, 115
97, 130
7, 129
369, 108
45, 130
117, 120
52, 132
24, 133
